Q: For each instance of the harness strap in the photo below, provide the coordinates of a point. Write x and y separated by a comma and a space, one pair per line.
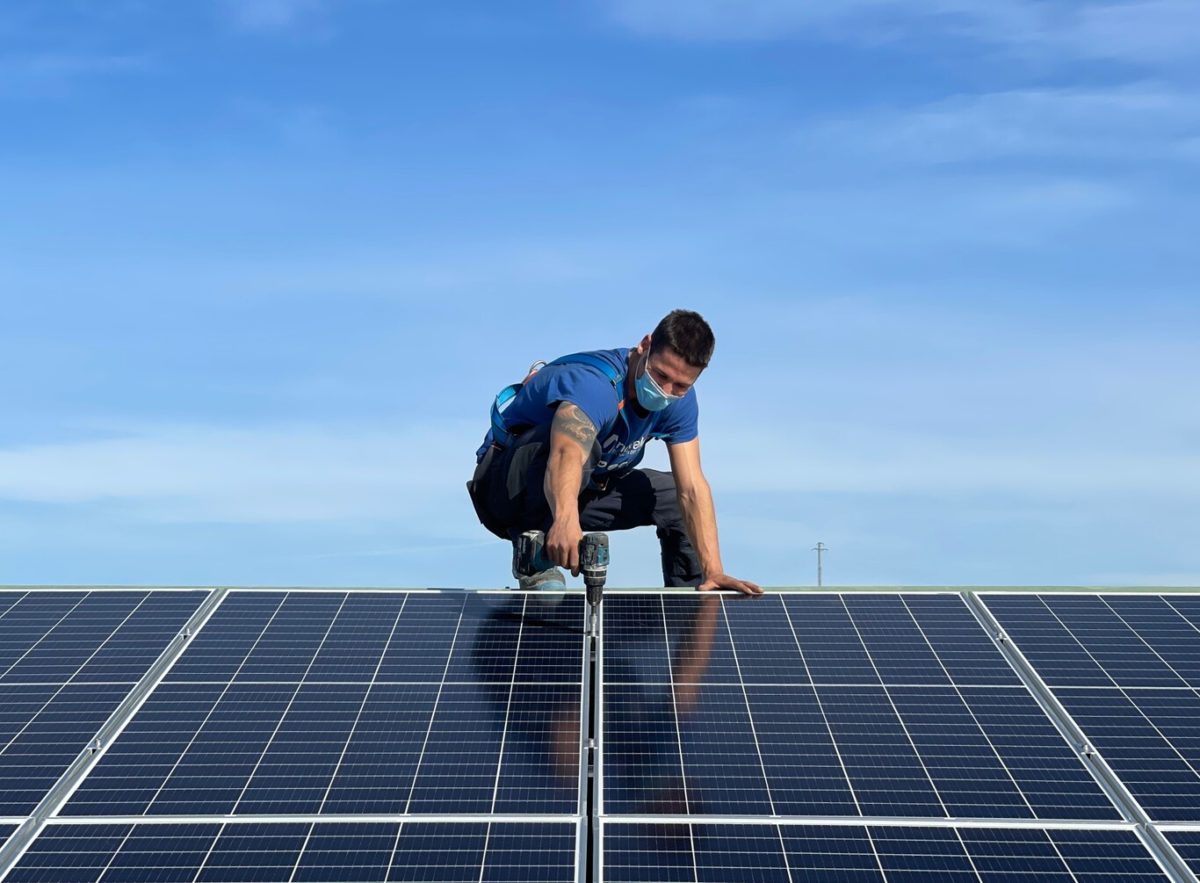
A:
500, 434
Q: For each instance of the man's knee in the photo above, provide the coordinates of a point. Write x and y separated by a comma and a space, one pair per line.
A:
667, 516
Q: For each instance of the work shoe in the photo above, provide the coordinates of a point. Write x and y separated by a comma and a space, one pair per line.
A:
549, 580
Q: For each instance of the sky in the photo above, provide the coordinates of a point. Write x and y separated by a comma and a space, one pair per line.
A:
264, 263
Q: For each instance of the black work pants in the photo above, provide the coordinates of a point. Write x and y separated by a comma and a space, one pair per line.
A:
508, 491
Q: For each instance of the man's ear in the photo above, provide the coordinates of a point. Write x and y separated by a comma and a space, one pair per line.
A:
644, 346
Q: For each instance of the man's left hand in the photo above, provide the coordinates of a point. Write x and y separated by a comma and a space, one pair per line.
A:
725, 581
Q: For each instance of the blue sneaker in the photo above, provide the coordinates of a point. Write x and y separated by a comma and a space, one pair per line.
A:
549, 580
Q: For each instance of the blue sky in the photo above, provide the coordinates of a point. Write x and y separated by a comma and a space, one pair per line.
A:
264, 262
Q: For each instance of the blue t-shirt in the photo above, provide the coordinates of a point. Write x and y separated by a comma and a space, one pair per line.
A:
622, 433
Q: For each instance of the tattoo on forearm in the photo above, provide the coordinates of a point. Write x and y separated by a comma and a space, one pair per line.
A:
575, 425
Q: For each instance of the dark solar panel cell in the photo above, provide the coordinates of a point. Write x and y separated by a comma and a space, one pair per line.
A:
62, 650
1037, 757
488, 639
833, 651
439, 853
342, 748
7, 600
220, 647
819, 854
893, 640
1187, 606
1187, 844
210, 775
965, 766
135, 646
539, 771
1014, 853
254, 853
801, 760
765, 646
635, 641
643, 770
1135, 732
552, 640
134, 767
376, 772
303, 852
1123, 655
287, 645
530, 853
457, 771
69, 854
642, 853
358, 638
723, 767
744, 852
961, 644
161, 853
424, 635
915, 855
27, 622
699, 641
293, 774
1046, 642
347, 853
1104, 856
47, 737
984, 749
887, 776
1172, 637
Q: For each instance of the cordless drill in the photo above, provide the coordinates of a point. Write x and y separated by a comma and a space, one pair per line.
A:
593, 561
529, 557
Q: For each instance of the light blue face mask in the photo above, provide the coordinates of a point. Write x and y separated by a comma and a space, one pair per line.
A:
649, 394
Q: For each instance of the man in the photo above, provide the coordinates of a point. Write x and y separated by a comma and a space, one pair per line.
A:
560, 457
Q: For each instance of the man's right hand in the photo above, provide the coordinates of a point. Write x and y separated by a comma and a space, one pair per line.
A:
562, 544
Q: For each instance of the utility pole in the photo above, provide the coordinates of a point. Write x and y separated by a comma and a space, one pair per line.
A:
820, 548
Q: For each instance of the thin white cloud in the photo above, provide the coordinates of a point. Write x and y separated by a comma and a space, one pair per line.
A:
1137, 121
415, 475
867, 459
1152, 31
285, 473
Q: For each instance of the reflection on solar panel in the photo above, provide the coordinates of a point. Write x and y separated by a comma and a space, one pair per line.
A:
420, 736
320, 852
641, 853
1126, 668
359, 703
67, 659
1188, 845
868, 705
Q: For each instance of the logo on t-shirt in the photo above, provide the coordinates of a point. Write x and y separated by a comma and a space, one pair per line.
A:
615, 453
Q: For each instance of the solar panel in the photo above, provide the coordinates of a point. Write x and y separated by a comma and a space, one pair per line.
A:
1126, 669
382, 703
906, 708
304, 852
698, 852
417, 736
1082, 640
67, 660
1187, 844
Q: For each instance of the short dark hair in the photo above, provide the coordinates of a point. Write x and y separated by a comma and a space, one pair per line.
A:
688, 334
